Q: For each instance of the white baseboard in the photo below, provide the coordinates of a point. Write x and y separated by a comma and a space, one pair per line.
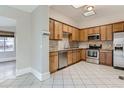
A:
23, 71
7, 59
37, 74
40, 76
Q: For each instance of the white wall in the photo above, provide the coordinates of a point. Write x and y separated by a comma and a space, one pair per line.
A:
23, 30
40, 44
8, 28
60, 17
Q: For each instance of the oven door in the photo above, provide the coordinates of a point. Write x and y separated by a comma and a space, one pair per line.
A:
93, 54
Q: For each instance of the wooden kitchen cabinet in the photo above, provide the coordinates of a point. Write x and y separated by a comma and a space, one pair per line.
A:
74, 56
58, 34
65, 28
53, 61
75, 34
90, 31
106, 58
70, 29
109, 32
109, 58
106, 32
70, 57
83, 35
78, 56
83, 54
103, 32
51, 29
117, 27
96, 30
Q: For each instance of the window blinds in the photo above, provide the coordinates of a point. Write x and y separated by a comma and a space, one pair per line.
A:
6, 34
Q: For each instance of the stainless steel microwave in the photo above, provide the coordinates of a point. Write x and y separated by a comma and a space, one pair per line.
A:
94, 37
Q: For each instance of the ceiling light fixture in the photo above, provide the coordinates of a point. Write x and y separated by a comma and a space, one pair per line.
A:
90, 8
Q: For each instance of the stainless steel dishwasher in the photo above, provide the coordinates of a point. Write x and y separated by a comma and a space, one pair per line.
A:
62, 59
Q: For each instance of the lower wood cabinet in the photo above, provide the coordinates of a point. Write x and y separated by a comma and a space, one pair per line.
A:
83, 54
69, 57
53, 61
106, 58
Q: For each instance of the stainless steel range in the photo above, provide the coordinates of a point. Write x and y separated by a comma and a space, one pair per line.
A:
93, 54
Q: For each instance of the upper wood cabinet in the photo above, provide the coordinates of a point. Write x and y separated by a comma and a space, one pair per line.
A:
53, 61
58, 30
75, 34
51, 29
83, 35
55, 29
106, 32
117, 27
96, 30
70, 29
65, 28
90, 31
103, 32
109, 32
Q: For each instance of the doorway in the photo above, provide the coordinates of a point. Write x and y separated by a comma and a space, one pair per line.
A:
7, 48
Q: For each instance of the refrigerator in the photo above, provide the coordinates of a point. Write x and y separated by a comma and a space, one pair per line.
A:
118, 47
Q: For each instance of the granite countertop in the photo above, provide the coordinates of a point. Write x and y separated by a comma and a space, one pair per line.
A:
66, 49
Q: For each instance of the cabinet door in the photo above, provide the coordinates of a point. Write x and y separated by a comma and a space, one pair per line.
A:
96, 30
109, 58
103, 32
74, 34
70, 29
74, 56
85, 34
70, 55
81, 35
77, 34
103, 58
118, 27
109, 32
51, 29
83, 54
58, 30
53, 62
65, 28
90, 31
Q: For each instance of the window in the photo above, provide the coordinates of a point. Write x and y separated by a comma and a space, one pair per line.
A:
6, 44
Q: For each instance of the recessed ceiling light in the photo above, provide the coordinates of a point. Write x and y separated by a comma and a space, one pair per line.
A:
90, 8
77, 6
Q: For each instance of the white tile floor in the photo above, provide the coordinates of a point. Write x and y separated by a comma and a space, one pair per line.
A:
7, 70
80, 75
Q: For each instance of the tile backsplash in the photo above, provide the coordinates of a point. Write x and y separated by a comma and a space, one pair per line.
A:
62, 44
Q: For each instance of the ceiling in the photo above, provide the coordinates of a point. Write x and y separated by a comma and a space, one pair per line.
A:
26, 8
4, 21
76, 13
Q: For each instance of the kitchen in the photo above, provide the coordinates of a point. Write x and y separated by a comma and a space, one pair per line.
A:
70, 45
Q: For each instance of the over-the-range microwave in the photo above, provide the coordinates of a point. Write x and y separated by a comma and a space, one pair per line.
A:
93, 37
